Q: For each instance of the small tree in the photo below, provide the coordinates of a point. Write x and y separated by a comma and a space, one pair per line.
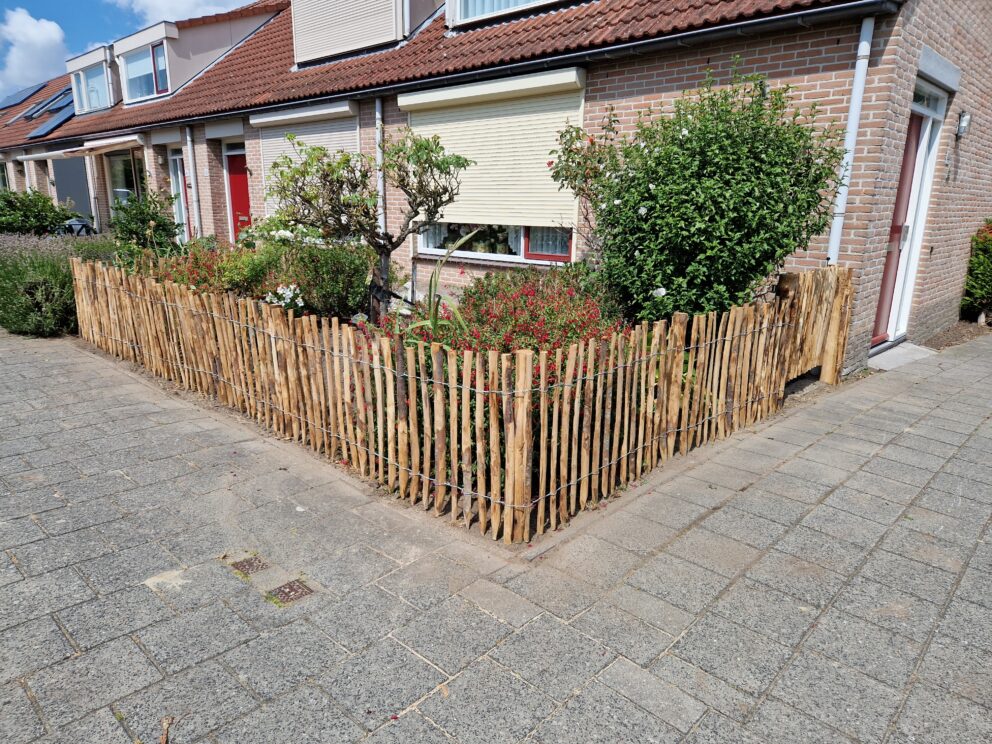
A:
977, 301
31, 212
337, 194
147, 222
693, 211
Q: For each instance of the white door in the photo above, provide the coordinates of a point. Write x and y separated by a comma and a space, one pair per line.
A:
930, 103
177, 184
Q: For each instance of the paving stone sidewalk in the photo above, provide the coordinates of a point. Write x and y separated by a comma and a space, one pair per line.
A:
824, 578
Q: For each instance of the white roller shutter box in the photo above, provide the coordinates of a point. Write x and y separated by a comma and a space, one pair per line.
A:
510, 142
333, 134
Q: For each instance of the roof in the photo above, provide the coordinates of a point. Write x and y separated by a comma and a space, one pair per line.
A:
260, 71
245, 11
16, 134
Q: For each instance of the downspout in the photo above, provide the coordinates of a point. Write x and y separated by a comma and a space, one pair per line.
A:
851, 136
195, 191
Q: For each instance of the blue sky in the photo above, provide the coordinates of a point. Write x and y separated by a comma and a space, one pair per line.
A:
36, 36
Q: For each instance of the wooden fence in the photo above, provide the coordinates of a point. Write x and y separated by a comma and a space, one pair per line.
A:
513, 443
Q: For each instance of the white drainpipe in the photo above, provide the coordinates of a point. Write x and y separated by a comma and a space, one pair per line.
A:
195, 195
851, 136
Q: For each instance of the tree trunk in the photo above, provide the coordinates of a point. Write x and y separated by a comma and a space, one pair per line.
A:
380, 289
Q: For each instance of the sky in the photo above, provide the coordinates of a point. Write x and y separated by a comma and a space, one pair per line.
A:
36, 36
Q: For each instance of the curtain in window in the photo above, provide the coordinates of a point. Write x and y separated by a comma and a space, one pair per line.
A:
140, 79
475, 8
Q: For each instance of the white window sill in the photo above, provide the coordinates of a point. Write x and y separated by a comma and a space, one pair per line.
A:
486, 258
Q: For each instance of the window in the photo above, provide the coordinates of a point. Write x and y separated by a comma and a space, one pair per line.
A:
4, 182
500, 241
145, 72
470, 10
91, 92
125, 176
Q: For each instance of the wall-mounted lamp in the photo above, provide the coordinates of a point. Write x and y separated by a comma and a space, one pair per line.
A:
964, 124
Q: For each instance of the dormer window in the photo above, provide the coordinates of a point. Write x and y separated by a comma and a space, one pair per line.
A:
91, 88
467, 11
145, 72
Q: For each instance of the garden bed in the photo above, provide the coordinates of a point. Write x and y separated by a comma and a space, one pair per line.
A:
511, 443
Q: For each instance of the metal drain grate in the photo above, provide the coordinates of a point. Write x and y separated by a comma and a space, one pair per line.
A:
249, 566
291, 591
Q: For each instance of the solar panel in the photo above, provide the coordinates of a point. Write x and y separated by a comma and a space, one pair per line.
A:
53, 122
22, 95
52, 102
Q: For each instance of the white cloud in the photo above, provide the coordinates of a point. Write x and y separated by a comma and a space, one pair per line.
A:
153, 11
34, 50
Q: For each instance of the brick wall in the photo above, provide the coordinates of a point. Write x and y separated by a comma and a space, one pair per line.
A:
15, 172
256, 171
97, 174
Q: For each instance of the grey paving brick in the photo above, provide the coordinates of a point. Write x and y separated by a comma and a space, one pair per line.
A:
732, 652
77, 686
381, 681
879, 653
466, 708
18, 722
704, 686
304, 716
599, 715
31, 646
14, 532
898, 471
632, 532
428, 581
968, 622
865, 505
555, 591
838, 696
925, 548
650, 609
807, 581
624, 633
432, 632
658, 697
593, 560
91, 623
724, 476
281, 659
717, 729
844, 525
51, 553
668, 510
938, 717
194, 587
552, 656
363, 617
350, 568
195, 636
744, 527
85, 489
410, 727
915, 458
888, 607
771, 506
793, 486
678, 582
35, 501
41, 595
775, 721
960, 668
879, 485
913, 577
715, 552
79, 515
502, 603
940, 525
779, 616
200, 700
818, 547
125, 568
100, 728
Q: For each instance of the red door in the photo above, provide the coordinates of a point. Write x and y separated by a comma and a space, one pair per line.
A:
897, 232
237, 177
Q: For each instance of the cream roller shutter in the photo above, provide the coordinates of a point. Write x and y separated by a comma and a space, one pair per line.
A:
334, 134
510, 142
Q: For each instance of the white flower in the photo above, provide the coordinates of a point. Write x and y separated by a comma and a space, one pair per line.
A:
685, 132
642, 211
283, 235
616, 202
637, 254
651, 186
660, 292
344, 219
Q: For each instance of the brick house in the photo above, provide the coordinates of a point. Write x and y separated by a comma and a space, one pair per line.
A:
202, 106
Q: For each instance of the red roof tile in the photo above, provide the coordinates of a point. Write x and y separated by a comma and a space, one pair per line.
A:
260, 72
16, 133
260, 7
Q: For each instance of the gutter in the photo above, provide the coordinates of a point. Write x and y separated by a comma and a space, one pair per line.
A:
802, 18
851, 136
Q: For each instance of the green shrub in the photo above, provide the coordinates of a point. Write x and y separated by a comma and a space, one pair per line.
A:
31, 212
334, 277
978, 285
146, 223
696, 209
521, 309
36, 295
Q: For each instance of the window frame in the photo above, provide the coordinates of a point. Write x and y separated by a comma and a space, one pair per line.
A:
4, 176
526, 256
148, 49
459, 20
80, 91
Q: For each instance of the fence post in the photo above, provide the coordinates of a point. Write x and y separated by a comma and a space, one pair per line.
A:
833, 352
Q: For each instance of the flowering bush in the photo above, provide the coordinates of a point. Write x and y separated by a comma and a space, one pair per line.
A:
524, 309
287, 297
695, 210
978, 286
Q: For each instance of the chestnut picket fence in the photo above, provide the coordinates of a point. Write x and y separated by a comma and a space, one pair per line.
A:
512, 443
